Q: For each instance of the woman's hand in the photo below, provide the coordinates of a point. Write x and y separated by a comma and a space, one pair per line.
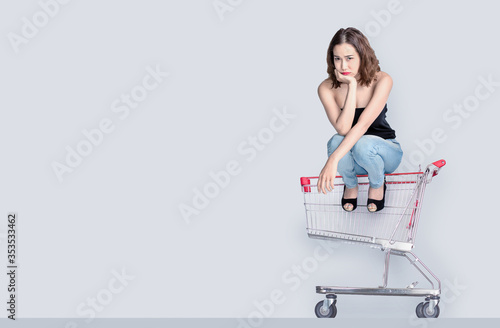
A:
348, 79
327, 176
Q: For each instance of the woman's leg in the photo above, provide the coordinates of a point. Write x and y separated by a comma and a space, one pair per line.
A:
377, 156
347, 166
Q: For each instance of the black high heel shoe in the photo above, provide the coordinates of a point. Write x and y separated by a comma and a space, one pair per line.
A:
379, 203
352, 201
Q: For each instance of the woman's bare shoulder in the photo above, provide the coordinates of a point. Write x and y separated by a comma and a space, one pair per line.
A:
380, 76
327, 84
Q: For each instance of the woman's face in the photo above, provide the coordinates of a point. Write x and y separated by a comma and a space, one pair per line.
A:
346, 59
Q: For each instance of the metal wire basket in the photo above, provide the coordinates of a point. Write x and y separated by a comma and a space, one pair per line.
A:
392, 229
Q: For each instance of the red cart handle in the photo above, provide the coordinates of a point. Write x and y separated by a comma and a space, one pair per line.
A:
440, 163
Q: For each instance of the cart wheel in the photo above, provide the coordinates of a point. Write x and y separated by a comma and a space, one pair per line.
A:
321, 313
425, 313
419, 312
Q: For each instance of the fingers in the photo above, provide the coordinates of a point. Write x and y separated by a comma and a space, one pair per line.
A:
325, 184
341, 78
320, 183
329, 184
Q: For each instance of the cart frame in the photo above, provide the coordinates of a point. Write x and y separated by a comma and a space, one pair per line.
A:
327, 220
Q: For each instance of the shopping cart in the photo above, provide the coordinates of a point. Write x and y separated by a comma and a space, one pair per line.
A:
392, 230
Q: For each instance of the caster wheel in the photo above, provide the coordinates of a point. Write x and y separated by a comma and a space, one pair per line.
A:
418, 310
425, 311
321, 313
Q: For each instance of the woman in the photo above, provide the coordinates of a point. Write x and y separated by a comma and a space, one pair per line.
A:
355, 99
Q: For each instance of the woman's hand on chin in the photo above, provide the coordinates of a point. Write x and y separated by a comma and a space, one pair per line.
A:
347, 79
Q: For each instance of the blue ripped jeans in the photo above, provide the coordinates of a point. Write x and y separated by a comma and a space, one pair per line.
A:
371, 155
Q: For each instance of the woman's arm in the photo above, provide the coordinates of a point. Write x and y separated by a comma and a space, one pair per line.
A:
370, 113
340, 119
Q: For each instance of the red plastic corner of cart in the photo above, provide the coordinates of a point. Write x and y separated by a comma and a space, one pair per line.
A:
440, 163
305, 181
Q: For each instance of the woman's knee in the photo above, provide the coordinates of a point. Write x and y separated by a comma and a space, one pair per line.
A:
334, 143
365, 146
392, 163
372, 149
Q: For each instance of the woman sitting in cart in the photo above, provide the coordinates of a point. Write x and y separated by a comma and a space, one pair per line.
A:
355, 100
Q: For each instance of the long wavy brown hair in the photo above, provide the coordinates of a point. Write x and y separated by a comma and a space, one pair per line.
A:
368, 65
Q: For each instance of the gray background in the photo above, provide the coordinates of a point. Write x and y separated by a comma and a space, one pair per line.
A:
120, 208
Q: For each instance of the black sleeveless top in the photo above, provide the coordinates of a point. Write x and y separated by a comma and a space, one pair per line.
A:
380, 127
